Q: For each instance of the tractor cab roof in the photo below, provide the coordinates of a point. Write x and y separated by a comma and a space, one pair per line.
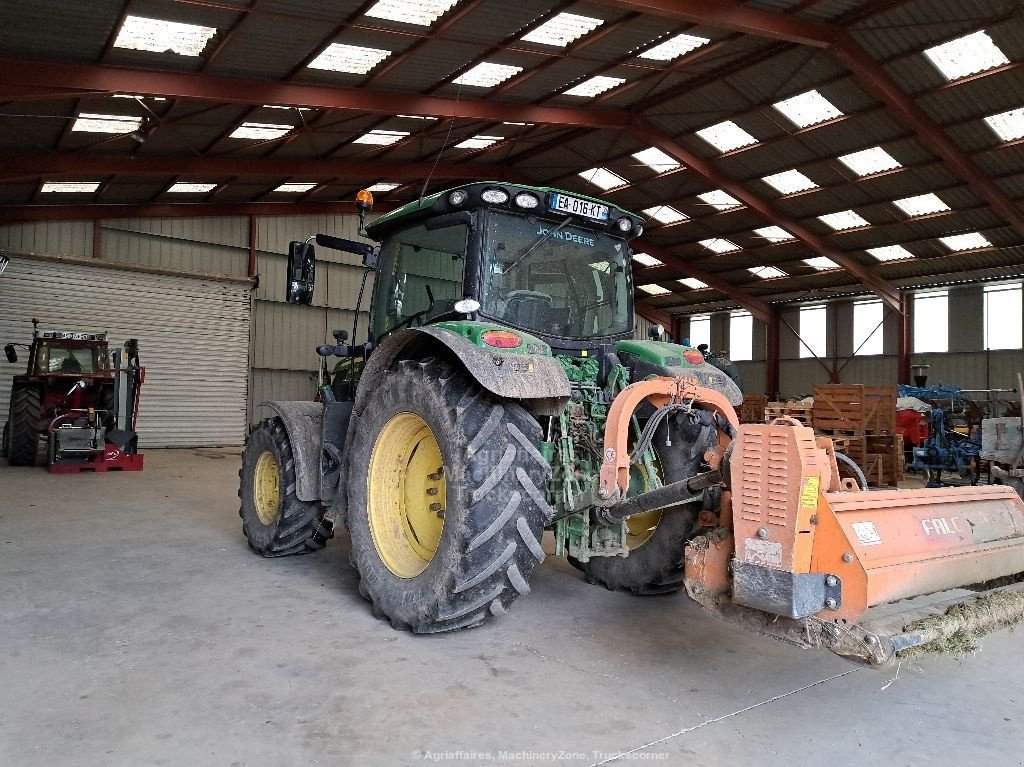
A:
586, 211
63, 336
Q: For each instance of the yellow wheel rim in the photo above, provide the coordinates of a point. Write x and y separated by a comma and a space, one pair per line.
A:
406, 489
640, 528
266, 488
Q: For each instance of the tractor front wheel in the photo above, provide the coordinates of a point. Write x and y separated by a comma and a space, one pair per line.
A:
446, 500
274, 520
657, 538
23, 426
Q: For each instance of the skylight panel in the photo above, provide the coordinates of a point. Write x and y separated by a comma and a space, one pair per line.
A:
594, 86
656, 160
136, 96
966, 56
693, 282
354, 59
844, 219
260, 131
643, 258
719, 245
70, 187
808, 109
654, 290
295, 187
790, 182
478, 142
767, 272
868, 161
665, 214
921, 205
890, 253
603, 178
422, 13
139, 33
487, 75
282, 106
969, 241
674, 48
97, 123
191, 188
774, 234
381, 137
726, 136
416, 117
720, 200
821, 263
563, 29
382, 186
1009, 126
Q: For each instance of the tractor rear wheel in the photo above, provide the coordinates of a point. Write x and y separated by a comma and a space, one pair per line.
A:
446, 504
23, 426
657, 538
274, 520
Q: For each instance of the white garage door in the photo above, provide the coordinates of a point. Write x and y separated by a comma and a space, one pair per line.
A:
193, 340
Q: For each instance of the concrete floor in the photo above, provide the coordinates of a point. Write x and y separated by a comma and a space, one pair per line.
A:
136, 628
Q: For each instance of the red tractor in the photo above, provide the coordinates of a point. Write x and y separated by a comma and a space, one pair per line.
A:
77, 400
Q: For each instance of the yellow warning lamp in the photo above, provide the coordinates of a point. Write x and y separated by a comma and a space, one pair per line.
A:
364, 204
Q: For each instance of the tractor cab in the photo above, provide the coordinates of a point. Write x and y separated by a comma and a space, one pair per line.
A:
57, 352
539, 260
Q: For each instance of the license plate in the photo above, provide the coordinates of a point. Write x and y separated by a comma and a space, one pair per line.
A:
563, 203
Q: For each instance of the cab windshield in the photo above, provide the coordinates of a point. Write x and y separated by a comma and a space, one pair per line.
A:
67, 359
554, 278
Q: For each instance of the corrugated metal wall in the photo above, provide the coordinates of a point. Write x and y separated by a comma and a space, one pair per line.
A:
966, 364
196, 372
283, 337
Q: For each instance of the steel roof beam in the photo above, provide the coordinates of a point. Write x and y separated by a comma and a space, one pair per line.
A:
21, 165
755, 306
736, 18
888, 293
868, 73
10, 214
92, 77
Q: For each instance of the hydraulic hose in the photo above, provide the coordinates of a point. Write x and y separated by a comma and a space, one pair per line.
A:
852, 466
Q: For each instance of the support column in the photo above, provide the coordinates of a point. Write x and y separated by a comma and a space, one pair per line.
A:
252, 246
772, 356
97, 239
903, 352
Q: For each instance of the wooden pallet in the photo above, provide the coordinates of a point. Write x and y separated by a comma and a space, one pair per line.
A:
796, 410
854, 409
752, 409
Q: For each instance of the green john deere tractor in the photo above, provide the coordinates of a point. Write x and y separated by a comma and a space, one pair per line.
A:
474, 416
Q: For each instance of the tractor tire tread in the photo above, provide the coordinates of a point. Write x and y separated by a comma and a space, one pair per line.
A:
497, 540
23, 435
300, 527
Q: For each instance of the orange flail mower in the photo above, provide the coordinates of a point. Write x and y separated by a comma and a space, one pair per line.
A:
796, 552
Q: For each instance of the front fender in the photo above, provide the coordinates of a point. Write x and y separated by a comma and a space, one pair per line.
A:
303, 422
536, 378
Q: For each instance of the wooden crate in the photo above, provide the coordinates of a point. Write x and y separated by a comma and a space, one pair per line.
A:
797, 410
752, 409
855, 409
849, 446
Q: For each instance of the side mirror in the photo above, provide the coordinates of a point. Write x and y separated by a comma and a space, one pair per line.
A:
301, 273
12, 354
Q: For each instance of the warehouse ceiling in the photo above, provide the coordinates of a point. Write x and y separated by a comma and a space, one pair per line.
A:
781, 150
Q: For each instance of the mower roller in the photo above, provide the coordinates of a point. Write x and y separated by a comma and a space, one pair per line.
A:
500, 394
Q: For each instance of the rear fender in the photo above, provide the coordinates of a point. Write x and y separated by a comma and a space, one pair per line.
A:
537, 380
